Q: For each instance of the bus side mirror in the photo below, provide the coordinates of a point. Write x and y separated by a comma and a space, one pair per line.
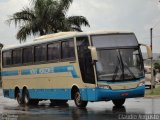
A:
149, 51
93, 53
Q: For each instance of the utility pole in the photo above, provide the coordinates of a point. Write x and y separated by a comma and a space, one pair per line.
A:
152, 80
151, 33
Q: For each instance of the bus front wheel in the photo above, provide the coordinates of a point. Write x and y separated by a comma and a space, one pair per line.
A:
78, 101
118, 102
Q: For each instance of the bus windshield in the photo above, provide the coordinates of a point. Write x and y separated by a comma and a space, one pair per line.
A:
119, 57
119, 64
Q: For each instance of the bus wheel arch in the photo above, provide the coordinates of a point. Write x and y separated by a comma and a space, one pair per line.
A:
76, 96
23, 90
16, 91
18, 95
26, 98
24, 94
73, 90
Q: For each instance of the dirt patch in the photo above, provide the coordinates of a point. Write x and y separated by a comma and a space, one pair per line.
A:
153, 97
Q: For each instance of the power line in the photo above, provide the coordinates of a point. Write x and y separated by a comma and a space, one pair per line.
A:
156, 36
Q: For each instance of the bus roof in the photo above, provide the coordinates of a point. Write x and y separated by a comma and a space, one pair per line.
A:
59, 36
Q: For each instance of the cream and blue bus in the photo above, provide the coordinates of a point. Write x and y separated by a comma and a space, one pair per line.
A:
79, 66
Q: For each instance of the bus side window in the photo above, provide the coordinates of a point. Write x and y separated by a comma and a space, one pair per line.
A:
68, 51
85, 60
53, 51
7, 58
40, 53
28, 55
16, 54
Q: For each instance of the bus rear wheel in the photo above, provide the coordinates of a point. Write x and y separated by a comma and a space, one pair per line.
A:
19, 98
27, 100
78, 101
118, 102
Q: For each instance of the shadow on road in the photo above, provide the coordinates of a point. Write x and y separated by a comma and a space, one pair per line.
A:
61, 111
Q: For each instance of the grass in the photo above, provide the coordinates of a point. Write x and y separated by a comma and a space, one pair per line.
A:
155, 92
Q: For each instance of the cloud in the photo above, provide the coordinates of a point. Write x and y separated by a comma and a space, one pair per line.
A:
133, 15
7, 8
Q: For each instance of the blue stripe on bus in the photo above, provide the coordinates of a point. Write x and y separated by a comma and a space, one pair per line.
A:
9, 73
87, 94
48, 70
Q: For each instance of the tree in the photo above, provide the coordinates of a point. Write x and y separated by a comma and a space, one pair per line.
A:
45, 17
157, 66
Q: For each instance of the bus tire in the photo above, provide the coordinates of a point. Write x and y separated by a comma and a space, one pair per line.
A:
19, 98
27, 100
118, 102
77, 99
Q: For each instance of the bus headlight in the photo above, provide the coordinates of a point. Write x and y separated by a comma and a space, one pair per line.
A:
104, 86
142, 83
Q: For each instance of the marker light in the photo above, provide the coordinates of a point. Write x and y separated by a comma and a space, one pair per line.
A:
142, 83
104, 86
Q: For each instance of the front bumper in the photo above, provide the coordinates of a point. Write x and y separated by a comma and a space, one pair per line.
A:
105, 94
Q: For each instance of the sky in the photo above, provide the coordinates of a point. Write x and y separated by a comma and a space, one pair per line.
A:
136, 16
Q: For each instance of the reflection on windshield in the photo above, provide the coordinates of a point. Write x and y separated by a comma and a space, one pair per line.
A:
119, 64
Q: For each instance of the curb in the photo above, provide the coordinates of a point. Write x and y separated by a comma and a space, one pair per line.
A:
153, 97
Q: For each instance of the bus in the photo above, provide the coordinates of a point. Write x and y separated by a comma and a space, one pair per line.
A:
80, 66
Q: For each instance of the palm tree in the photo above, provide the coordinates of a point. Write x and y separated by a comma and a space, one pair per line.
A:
44, 17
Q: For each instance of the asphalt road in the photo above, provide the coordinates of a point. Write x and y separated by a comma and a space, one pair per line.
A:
10, 110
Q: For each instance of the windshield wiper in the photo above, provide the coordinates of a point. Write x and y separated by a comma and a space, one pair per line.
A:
116, 69
122, 67
125, 65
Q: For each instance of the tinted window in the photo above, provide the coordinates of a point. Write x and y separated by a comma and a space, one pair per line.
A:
28, 55
17, 56
53, 51
85, 60
7, 58
40, 53
115, 40
68, 49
